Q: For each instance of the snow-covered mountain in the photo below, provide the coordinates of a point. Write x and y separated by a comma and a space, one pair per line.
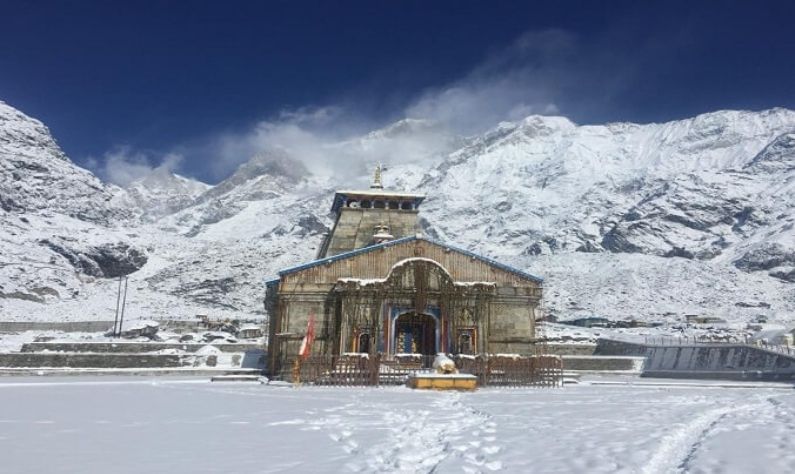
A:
697, 207
713, 187
623, 220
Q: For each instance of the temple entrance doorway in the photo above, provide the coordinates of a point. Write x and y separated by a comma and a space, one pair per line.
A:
415, 333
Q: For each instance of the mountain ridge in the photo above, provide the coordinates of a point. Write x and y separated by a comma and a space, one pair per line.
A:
616, 216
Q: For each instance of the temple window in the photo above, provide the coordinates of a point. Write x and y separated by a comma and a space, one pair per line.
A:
406, 205
366, 204
466, 341
393, 205
364, 343
379, 204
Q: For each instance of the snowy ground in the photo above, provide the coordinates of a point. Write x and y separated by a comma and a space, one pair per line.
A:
172, 425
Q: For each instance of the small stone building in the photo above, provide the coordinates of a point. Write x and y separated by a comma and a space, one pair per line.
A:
379, 286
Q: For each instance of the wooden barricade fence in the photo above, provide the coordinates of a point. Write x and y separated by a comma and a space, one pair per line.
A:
343, 370
372, 370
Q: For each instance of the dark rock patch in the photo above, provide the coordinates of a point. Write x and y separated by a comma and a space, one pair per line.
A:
765, 258
614, 241
106, 261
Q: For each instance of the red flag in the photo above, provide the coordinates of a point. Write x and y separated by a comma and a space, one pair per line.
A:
309, 338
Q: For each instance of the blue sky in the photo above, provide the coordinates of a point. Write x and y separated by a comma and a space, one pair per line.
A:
177, 82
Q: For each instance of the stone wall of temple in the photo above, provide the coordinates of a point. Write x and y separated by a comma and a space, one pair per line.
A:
511, 324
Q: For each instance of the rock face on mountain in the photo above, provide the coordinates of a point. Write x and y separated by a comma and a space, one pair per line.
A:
623, 220
59, 222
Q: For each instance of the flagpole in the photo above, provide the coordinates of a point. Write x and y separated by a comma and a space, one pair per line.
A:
305, 350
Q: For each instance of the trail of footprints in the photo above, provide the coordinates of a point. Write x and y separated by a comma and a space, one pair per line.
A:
421, 440
784, 436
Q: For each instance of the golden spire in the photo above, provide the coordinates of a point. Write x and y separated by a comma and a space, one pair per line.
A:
377, 178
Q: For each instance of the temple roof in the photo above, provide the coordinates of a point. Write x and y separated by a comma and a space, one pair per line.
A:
352, 253
341, 195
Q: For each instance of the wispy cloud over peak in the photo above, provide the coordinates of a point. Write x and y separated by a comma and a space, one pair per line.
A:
123, 165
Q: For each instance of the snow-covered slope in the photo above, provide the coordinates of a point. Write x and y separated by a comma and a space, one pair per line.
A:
624, 220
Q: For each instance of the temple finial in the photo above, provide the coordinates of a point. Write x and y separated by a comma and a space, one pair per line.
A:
377, 178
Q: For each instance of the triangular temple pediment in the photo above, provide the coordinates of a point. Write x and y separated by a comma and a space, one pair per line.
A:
377, 262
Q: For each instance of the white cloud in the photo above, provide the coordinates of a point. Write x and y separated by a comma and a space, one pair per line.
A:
123, 165
524, 79
543, 72
328, 143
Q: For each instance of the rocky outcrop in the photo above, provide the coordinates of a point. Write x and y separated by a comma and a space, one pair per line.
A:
106, 261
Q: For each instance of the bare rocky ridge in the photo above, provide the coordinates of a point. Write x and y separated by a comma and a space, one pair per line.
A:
623, 220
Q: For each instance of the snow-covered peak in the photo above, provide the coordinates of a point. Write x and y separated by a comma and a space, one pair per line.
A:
404, 127
163, 192
36, 175
410, 140
266, 171
25, 137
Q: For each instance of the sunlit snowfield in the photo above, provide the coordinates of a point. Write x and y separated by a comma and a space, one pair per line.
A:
134, 425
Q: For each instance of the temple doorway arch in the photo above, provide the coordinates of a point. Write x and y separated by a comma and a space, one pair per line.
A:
415, 333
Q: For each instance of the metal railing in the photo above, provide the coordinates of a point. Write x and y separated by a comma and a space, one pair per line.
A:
717, 341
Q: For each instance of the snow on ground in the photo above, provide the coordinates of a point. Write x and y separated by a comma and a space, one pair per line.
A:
182, 425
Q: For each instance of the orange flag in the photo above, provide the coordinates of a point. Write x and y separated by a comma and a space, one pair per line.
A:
309, 338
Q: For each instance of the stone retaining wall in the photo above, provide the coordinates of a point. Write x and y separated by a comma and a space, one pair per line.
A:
721, 361
568, 349
602, 363
90, 326
129, 347
102, 361
74, 326
148, 372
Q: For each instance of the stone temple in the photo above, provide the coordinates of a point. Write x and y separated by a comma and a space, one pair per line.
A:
379, 286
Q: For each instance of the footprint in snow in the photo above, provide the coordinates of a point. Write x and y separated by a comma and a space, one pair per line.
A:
491, 449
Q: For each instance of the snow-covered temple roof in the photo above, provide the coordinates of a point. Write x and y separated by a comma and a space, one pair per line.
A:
412, 238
